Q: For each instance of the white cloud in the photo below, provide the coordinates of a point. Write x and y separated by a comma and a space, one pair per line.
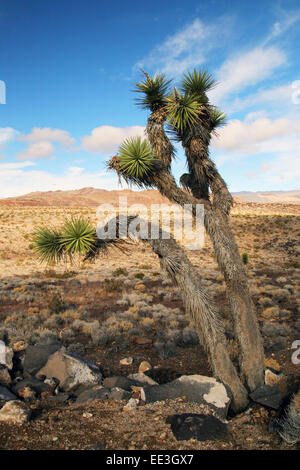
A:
41, 142
279, 96
15, 180
244, 136
47, 133
187, 48
247, 69
106, 139
277, 140
7, 134
42, 149
287, 20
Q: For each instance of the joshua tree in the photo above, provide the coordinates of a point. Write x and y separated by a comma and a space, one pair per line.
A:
189, 118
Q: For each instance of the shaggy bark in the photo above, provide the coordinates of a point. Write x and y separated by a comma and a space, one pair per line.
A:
198, 303
289, 425
216, 223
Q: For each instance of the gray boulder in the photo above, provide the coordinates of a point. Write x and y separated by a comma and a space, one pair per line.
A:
197, 426
37, 356
268, 396
71, 370
94, 393
196, 388
6, 395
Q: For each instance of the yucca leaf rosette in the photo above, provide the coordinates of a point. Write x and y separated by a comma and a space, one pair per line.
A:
78, 236
154, 91
135, 162
47, 244
183, 110
197, 83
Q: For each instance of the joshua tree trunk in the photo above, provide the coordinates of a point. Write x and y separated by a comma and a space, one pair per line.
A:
227, 254
200, 306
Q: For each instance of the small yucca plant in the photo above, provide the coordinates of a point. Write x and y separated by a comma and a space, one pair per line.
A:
78, 236
47, 244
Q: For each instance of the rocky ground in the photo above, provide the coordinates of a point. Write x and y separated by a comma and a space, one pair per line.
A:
121, 311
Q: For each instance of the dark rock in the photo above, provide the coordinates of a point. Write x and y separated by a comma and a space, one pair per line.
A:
60, 397
37, 356
197, 426
96, 446
275, 329
195, 388
95, 393
162, 375
268, 396
119, 394
35, 384
71, 370
6, 395
121, 382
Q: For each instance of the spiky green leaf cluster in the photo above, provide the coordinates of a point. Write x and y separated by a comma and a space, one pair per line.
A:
47, 244
197, 83
154, 91
183, 110
217, 117
76, 236
136, 160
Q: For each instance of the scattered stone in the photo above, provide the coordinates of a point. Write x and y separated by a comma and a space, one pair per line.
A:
119, 394
19, 346
131, 405
96, 393
271, 312
272, 363
87, 415
142, 378
127, 361
97, 446
142, 341
272, 378
15, 412
144, 365
71, 370
6, 356
121, 382
37, 356
27, 393
5, 378
197, 426
6, 395
31, 383
195, 388
268, 396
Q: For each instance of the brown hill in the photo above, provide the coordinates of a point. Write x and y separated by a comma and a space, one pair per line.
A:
92, 197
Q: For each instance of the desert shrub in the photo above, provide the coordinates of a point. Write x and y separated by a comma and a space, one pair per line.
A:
56, 304
139, 275
112, 285
245, 258
120, 272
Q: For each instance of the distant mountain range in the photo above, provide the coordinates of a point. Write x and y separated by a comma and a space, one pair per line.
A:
92, 197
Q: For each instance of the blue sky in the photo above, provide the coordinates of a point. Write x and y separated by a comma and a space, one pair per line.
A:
69, 68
